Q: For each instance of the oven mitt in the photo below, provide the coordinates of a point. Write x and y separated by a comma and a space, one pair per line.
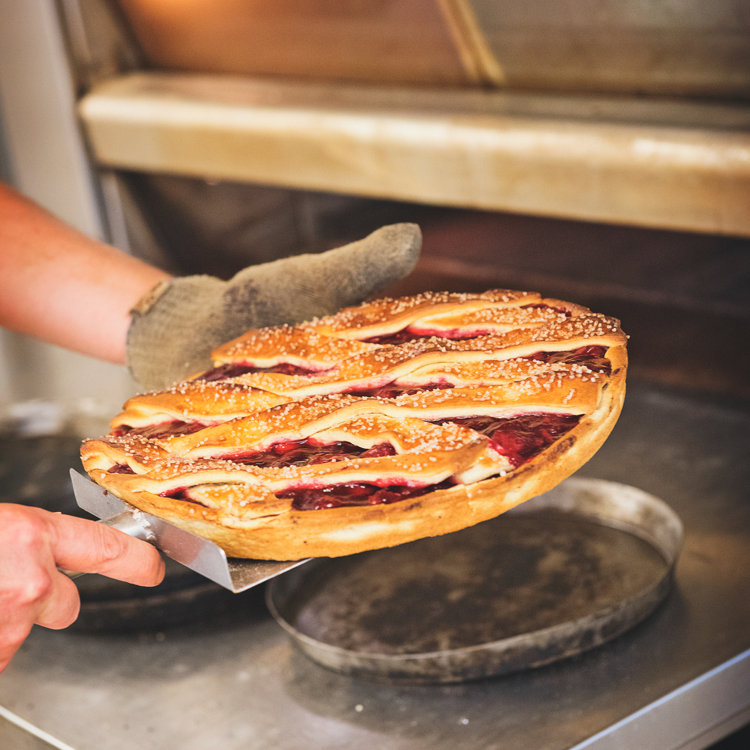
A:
177, 325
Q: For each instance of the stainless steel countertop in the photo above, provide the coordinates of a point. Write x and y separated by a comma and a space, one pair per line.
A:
679, 680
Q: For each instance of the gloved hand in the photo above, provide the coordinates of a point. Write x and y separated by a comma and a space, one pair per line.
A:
176, 326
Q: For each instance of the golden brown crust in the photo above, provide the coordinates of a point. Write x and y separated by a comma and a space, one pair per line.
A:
195, 401
303, 347
387, 315
239, 506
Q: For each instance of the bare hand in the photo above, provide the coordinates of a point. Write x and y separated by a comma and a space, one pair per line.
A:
34, 543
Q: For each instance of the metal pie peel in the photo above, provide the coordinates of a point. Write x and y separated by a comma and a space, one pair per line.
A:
192, 551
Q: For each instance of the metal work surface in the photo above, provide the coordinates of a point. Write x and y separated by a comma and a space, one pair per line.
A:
678, 680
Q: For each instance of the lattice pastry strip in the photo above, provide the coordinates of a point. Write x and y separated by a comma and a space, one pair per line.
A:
485, 321
488, 372
419, 455
196, 403
334, 365
387, 316
385, 364
300, 347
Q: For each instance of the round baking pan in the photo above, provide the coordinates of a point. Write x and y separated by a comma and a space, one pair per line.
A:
558, 575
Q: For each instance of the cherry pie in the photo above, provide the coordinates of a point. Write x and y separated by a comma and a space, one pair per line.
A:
382, 424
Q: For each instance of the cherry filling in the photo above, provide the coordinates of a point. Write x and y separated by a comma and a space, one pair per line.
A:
518, 438
182, 493
305, 453
160, 431
591, 356
120, 469
231, 370
401, 337
521, 438
355, 494
391, 390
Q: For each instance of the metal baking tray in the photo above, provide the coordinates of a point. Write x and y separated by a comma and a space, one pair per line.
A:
558, 575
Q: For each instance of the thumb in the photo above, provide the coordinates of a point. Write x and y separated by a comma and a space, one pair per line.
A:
308, 286
365, 267
173, 336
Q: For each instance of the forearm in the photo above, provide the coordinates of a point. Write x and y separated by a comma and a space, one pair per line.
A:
58, 285
63, 287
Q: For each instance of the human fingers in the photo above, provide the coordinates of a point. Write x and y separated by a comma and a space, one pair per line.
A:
90, 547
32, 590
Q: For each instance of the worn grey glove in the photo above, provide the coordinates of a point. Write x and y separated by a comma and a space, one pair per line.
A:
175, 327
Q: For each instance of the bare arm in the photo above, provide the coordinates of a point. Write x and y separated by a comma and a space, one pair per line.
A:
63, 287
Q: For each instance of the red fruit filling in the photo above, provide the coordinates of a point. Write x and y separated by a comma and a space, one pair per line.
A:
521, 438
160, 431
337, 495
306, 453
591, 356
120, 469
183, 493
355, 494
391, 390
232, 370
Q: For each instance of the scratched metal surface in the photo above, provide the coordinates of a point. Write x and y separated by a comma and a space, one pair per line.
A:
236, 682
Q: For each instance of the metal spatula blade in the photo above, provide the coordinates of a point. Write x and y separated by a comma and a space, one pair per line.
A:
194, 552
